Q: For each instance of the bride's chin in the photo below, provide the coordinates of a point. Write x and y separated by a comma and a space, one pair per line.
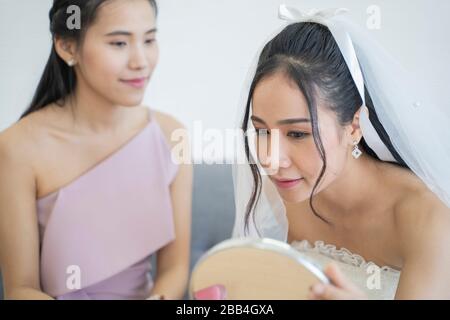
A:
292, 196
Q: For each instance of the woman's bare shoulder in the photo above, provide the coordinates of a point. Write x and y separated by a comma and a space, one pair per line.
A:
16, 155
419, 215
16, 139
422, 219
167, 123
22, 139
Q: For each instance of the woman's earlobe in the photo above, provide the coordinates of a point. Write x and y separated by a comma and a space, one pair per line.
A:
71, 62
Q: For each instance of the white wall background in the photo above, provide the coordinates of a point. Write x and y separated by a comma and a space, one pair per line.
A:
207, 47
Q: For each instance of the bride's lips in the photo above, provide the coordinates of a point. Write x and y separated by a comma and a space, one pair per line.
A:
136, 82
286, 183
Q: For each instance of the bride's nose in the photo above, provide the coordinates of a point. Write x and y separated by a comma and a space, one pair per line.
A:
276, 157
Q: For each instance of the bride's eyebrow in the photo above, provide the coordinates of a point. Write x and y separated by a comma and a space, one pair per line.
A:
282, 122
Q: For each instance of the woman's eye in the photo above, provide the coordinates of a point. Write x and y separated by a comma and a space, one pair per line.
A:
119, 44
149, 41
297, 134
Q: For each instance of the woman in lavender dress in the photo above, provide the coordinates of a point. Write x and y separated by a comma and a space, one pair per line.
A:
88, 188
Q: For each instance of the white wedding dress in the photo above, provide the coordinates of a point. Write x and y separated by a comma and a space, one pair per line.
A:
379, 283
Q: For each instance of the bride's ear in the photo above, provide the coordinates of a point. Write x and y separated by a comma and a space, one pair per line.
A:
354, 129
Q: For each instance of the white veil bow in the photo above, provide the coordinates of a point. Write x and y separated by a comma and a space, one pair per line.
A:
417, 125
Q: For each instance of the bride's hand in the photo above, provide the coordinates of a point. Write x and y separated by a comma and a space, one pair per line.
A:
340, 287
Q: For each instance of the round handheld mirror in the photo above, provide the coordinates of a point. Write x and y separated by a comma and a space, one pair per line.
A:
254, 269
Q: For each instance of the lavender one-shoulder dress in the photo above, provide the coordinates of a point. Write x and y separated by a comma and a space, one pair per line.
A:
98, 232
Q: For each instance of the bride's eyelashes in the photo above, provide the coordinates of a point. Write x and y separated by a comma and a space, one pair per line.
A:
294, 134
297, 135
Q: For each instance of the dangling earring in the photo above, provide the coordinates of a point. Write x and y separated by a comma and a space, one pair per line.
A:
356, 153
71, 63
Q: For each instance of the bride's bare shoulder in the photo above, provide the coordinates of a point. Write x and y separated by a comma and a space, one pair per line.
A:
422, 219
411, 193
402, 184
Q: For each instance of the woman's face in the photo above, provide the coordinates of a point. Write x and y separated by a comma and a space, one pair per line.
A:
279, 104
119, 52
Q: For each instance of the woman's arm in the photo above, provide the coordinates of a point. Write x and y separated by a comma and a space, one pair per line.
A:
19, 238
173, 260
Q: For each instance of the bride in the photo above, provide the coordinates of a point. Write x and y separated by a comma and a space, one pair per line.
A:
351, 165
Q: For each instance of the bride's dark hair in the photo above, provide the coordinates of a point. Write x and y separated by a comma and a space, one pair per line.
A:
308, 55
58, 80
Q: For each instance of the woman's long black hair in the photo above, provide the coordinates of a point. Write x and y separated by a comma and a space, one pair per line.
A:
58, 80
308, 55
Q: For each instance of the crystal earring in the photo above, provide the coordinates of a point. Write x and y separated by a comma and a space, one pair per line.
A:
356, 153
71, 63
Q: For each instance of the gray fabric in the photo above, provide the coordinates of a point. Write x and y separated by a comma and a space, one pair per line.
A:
213, 207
